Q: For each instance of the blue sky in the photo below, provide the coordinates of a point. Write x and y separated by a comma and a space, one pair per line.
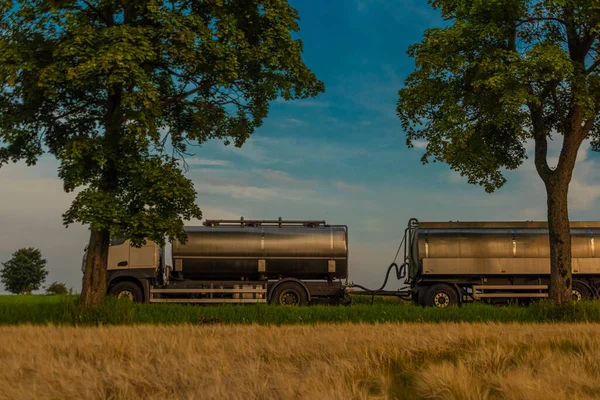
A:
340, 157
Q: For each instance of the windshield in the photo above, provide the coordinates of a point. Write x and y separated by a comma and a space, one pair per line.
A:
116, 240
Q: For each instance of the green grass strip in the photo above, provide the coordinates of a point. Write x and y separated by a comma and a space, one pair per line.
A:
17, 310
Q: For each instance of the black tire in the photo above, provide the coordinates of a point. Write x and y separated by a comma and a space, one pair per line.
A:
581, 292
290, 293
440, 295
419, 297
127, 290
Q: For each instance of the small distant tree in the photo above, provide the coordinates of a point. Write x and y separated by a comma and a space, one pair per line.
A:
57, 288
24, 272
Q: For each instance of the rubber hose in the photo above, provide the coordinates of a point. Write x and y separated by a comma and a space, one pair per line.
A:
400, 273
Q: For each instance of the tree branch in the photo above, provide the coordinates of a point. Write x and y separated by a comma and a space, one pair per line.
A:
94, 9
538, 19
541, 142
587, 127
66, 114
589, 124
595, 65
550, 89
200, 86
172, 72
181, 96
577, 52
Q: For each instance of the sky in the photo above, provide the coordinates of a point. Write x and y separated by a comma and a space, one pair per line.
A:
340, 157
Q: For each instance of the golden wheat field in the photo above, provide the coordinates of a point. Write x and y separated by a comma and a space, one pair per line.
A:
406, 361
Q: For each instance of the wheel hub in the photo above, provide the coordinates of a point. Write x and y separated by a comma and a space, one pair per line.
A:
577, 295
289, 298
441, 300
126, 294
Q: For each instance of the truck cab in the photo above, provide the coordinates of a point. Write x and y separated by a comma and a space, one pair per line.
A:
130, 270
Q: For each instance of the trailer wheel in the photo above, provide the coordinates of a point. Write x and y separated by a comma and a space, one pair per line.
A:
441, 295
127, 290
580, 292
290, 294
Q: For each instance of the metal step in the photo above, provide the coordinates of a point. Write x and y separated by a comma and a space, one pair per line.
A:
510, 287
262, 298
536, 294
207, 301
508, 295
208, 290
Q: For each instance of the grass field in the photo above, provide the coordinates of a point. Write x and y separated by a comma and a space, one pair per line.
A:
16, 310
323, 361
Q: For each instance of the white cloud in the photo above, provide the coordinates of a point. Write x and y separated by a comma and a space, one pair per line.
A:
303, 102
251, 150
284, 177
349, 187
207, 162
264, 194
278, 176
215, 212
420, 144
268, 151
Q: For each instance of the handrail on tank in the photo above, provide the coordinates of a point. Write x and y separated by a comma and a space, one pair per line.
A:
409, 242
250, 222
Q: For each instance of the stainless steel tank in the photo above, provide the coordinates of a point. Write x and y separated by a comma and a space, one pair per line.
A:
498, 248
249, 252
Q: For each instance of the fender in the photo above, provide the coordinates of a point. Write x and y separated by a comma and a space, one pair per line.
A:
142, 275
460, 293
279, 282
424, 287
593, 291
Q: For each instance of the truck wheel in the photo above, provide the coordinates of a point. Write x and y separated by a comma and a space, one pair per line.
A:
441, 295
580, 292
127, 290
290, 294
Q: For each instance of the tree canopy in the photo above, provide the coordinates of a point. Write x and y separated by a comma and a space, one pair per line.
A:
24, 272
500, 73
118, 89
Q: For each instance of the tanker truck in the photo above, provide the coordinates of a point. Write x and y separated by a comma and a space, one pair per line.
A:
236, 261
301, 262
453, 262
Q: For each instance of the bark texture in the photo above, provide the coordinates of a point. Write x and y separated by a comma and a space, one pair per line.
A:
560, 243
557, 182
94, 277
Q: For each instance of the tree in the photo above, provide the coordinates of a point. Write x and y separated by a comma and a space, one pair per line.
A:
118, 89
57, 288
501, 73
24, 272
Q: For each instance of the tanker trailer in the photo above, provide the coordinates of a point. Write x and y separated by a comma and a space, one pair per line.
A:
237, 261
452, 262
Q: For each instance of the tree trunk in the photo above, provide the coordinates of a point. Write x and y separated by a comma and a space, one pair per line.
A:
557, 189
94, 277
560, 242
94, 283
